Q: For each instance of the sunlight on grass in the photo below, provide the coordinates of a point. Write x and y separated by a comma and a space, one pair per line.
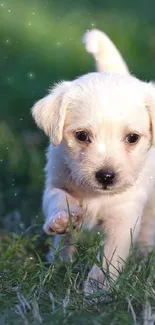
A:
35, 291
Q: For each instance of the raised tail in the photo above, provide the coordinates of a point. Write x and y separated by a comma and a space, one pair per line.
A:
105, 53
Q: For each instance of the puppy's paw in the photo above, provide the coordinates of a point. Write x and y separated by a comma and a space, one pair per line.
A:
59, 223
95, 281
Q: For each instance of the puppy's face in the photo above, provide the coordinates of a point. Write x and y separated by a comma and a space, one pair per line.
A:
107, 131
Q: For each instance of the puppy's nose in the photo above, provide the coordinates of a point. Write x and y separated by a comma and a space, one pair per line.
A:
105, 177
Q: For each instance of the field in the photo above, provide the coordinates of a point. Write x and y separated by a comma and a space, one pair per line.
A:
41, 43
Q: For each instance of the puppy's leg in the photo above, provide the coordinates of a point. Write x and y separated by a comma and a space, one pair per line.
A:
146, 237
65, 252
116, 251
107, 56
55, 208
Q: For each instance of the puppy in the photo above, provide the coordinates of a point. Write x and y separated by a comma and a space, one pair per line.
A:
101, 157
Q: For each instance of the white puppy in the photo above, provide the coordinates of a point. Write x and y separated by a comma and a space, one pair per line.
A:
101, 158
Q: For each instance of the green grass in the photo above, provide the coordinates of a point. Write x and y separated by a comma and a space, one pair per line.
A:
35, 292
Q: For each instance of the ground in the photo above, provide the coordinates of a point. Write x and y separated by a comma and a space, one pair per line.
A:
35, 292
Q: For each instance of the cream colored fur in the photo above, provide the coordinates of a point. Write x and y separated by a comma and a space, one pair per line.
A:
105, 53
109, 106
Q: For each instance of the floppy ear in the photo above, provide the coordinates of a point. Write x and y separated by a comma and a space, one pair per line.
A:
50, 112
150, 103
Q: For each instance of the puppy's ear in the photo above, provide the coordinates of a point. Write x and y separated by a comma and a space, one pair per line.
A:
150, 103
50, 112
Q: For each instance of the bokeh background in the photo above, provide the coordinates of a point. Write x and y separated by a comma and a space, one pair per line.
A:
41, 43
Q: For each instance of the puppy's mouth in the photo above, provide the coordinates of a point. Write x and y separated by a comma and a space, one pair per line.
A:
109, 188
105, 187
107, 191
113, 190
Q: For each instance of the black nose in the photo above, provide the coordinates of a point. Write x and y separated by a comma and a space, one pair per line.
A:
105, 177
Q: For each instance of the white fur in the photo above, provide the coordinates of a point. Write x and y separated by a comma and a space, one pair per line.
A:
105, 53
109, 106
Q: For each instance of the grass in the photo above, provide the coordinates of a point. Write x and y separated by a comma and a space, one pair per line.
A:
35, 292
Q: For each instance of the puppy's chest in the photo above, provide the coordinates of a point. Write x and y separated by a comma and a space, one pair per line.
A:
98, 211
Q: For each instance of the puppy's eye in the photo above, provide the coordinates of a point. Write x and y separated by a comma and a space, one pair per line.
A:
82, 136
132, 138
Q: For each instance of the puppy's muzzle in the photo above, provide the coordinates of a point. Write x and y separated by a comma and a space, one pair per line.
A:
105, 177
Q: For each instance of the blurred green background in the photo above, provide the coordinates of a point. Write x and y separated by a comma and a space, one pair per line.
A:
41, 43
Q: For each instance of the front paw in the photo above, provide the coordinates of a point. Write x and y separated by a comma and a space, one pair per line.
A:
59, 223
95, 281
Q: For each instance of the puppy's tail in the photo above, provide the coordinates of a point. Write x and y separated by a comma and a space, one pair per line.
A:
107, 56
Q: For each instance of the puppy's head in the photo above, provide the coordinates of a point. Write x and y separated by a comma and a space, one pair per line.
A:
107, 125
